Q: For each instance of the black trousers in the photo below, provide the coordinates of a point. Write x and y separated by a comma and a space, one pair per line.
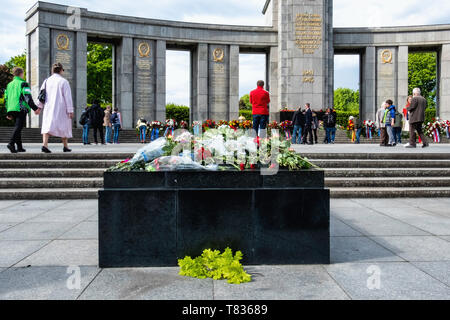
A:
19, 118
100, 130
308, 133
413, 127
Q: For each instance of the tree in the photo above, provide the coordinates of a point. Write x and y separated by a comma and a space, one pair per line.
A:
422, 73
99, 72
244, 103
346, 100
5, 78
18, 61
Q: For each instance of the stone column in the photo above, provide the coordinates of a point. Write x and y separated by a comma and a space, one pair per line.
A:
144, 89
81, 75
402, 77
38, 65
272, 82
305, 52
124, 80
386, 74
199, 83
160, 112
234, 84
444, 84
368, 86
219, 82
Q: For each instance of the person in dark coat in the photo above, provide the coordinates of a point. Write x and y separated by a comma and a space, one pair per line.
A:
416, 119
96, 118
308, 125
298, 121
329, 122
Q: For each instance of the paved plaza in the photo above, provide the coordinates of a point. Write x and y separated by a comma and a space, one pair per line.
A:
403, 243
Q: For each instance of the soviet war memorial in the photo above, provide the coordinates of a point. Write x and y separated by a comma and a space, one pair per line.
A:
242, 152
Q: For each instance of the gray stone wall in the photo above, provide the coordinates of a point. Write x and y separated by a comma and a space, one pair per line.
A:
219, 82
444, 87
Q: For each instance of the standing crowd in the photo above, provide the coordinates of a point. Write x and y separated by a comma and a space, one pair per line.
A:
96, 118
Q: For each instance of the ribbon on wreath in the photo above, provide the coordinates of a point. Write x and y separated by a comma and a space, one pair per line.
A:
196, 130
353, 135
288, 134
155, 134
436, 137
167, 131
368, 132
448, 132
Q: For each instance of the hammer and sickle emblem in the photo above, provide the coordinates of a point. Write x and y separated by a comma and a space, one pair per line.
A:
218, 55
62, 42
144, 49
386, 56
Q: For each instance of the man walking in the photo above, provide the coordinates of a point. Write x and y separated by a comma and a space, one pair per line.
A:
97, 116
260, 99
329, 122
18, 102
298, 121
416, 119
308, 125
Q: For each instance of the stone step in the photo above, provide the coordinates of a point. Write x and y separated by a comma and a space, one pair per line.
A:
51, 173
57, 164
387, 182
66, 156
344, 163
384, 193
48, 194
378, 156
50, 183
383, 172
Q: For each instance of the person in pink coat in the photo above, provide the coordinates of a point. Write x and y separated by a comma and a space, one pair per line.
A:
57, 109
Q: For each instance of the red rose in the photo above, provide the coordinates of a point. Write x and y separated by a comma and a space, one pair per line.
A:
242, 166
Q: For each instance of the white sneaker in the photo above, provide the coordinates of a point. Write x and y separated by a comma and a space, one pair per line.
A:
406, 145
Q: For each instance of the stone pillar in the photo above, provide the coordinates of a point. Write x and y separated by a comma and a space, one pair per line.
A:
272, 82
402, 77
199, 83
38, 65
124, 80
444, 83
219, 82
234, 84
368, 86
144, 92
160, 112
305, 52
81, 75
386, 74
272, 14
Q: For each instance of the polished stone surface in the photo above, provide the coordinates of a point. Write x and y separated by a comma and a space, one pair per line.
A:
355, 252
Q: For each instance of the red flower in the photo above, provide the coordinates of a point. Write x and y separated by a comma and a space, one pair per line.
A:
242, 166
253, 166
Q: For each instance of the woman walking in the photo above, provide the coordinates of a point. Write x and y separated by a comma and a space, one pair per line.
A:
58, 109
116, 121
107, 124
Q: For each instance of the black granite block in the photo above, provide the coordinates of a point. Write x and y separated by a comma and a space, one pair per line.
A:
214, 179
134, 179
291, 227
137, 228
215, 219
295, 179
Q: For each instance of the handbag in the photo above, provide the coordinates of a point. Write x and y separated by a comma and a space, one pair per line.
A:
43, 94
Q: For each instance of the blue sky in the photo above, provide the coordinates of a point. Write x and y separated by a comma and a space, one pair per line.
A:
347, 13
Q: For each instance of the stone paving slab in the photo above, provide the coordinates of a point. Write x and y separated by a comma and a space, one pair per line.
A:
43, 283
65, 253
282, 282
87, 230
359, 249
73, 215
147, 284
6, 226
36, 231
340, 229
398, 281
9, 203
423, 249
14, 251
438, 270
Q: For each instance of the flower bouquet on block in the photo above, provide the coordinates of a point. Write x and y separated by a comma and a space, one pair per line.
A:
184, 124
286, 127
246, 124
155, 126
209, 124
434, 130
234, 124
222, 123
446, 126
170, 127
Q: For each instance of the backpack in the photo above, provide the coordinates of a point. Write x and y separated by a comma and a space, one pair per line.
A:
84, 118
398, 119
114, 118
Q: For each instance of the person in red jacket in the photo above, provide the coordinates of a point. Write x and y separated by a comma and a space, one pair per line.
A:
260, 99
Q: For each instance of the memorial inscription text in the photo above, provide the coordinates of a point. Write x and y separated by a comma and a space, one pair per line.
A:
308, 32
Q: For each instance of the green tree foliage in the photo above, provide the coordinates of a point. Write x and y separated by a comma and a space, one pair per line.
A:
422, 73
18, 61
99, 72
177, 112
244, 103
346, 100
5, 78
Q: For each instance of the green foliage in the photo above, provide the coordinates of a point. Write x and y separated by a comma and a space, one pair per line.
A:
99, 72
5, 78
343, 116
177, 112
3, 121
213, 264
247, 114
127, 167
422, 73
293, 161
18, 61
244, 103
346, 100
429, 115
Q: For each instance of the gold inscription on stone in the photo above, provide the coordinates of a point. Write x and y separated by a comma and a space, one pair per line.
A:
62, 41
144, 49
144, 64
218, 55
308, 76
308, 32
386, 56
219, 68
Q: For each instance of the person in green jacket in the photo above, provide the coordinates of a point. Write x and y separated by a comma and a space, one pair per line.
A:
18, 103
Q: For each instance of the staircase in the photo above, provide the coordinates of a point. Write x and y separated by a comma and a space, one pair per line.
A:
358, 175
